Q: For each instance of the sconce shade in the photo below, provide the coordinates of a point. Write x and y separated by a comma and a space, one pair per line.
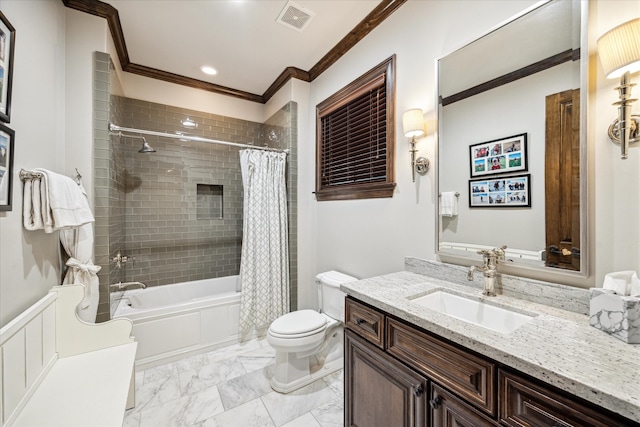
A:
413, 123
619, 49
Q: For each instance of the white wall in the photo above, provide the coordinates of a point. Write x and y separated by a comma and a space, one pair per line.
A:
362, 238
616, 183
28, 260
85, 34
372, 237
366, 238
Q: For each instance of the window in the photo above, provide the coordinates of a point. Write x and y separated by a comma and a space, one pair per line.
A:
355, 138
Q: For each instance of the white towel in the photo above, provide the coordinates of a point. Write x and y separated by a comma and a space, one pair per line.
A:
624, 283
635, 287
32, 204
54, 202
448, 204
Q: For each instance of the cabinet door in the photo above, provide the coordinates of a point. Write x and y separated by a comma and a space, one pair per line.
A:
380, 391
449, 411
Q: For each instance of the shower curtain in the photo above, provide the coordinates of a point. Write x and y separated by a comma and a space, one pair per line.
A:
264, 265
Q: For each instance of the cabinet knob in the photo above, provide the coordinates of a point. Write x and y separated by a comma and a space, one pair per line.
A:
360, 321
418, 390
435, 402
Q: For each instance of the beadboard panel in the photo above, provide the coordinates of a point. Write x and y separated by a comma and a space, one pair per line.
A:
27, 350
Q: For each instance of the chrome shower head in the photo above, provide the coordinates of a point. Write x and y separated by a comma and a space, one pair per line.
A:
146, 148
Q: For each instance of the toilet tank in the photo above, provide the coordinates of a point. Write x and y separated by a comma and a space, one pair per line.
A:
330, 296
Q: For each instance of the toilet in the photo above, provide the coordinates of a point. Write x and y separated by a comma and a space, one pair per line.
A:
308, 343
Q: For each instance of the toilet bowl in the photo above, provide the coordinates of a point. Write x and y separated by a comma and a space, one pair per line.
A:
308, 343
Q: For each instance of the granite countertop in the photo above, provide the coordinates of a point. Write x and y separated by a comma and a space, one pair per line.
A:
558, 346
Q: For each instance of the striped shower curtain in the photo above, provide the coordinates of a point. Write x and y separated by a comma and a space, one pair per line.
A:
264, 266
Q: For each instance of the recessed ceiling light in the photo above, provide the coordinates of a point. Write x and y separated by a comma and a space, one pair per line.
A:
188, 123
207, 69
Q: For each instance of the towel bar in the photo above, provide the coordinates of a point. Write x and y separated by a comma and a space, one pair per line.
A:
457, 194
29, 174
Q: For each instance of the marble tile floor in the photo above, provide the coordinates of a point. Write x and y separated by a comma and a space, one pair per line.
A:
229, 387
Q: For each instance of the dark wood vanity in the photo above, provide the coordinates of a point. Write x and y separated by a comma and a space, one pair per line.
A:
397, 374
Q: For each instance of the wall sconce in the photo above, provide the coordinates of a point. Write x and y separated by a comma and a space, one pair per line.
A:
413, 126
619, 52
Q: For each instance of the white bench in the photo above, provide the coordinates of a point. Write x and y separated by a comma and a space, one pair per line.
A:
60, 371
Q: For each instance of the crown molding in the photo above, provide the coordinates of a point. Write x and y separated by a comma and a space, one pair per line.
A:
108, 12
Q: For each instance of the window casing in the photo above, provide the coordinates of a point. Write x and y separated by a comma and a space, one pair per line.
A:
355, 138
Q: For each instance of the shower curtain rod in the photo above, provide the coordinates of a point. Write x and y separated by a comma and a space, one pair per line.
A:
120, 129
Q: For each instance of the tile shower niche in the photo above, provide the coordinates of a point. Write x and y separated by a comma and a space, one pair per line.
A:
209, 201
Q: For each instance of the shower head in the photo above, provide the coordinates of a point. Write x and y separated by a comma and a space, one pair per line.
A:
146, 148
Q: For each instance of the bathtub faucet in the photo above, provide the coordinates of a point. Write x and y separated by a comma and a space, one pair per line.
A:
128, 285
489, 268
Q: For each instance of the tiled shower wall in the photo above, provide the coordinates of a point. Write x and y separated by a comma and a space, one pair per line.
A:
159, 205
109, 200
169, 240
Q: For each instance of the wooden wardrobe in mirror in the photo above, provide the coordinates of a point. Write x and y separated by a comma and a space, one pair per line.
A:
562, 180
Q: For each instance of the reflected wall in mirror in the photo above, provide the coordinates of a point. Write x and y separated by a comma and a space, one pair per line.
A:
525, 77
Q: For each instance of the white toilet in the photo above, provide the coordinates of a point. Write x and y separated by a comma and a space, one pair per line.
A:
309, 344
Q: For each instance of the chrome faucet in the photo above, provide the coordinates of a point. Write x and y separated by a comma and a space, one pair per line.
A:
489, 268
127, 285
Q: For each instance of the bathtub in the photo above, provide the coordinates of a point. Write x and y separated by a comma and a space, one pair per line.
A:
178, 320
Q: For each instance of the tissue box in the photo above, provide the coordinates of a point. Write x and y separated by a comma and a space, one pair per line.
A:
615, 314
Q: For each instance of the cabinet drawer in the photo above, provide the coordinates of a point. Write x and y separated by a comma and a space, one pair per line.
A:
465, 374
365, 321
448, 410
525, 403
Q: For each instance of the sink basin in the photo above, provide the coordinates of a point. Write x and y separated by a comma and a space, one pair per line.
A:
499, 319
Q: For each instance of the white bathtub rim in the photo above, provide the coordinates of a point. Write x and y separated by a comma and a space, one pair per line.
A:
166, 310
134, 313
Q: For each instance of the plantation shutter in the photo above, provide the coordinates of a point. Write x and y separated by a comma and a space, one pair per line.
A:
355, 139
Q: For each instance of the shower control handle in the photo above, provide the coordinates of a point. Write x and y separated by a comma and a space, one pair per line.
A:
121, 260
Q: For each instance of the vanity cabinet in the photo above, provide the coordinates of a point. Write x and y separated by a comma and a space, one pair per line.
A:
397, 374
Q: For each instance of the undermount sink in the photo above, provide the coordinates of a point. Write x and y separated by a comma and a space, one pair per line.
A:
499, 319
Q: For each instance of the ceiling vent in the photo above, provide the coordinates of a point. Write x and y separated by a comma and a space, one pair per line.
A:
295, 16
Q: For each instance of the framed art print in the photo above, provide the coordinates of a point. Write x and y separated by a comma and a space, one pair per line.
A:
499, 156
507, 192
7, 137
7, 46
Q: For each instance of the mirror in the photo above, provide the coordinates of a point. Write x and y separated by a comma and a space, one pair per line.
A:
511, 142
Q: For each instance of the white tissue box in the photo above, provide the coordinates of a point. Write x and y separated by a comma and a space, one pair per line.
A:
615, 314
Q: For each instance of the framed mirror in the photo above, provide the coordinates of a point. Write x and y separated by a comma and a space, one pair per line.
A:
512, 134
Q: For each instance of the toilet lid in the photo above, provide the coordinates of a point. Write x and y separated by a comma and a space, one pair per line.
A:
298, 322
